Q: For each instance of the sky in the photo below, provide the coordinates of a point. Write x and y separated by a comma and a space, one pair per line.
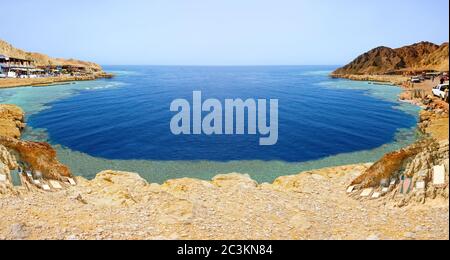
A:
220, 32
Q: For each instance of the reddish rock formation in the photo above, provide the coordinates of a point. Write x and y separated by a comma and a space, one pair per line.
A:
416, 163
11, 120
388, 166
40, 156
384, 60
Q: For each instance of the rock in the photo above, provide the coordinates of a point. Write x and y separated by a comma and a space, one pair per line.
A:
300, 223
318, 177
409, 235
7, 162
234, 179
18, 232
114, 188
383, 60
373, 237
72, 237
40, 156
11, 120
387, 166
414, 162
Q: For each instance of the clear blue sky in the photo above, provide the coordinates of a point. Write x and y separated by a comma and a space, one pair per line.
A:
220, 32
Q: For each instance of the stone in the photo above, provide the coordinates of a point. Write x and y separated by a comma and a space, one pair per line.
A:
384, 183
39, 156
366, 192
376, 195
46, 187
420, 185
55, 184
385, 190
71, 182
18, 232
389, 165
11, 120
350, 189
72, 238
439, 175
318, 177
409, 235
373, 238
37, 182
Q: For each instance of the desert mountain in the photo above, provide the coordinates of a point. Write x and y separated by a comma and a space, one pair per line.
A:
421, 56
44, 60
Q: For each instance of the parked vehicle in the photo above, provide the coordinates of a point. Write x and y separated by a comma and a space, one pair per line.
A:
416, 79
439, 90
2, 76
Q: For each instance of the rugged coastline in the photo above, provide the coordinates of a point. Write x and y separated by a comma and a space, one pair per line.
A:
404, 195
311, 205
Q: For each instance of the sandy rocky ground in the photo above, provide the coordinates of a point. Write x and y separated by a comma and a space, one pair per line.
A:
311, 205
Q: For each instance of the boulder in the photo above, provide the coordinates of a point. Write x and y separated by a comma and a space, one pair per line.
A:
39, 156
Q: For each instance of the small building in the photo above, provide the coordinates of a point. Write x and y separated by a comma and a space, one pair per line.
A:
15, 67
74, 70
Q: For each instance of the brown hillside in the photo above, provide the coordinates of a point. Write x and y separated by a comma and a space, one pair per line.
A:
383, 60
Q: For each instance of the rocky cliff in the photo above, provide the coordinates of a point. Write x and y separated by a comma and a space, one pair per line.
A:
384, 60
39, 156
11, 120
309, 205
44, 60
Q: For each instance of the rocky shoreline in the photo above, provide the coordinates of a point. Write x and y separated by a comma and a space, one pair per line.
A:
402, 196
320, 204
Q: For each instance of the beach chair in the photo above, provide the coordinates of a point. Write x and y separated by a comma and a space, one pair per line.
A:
71, 181
2, 178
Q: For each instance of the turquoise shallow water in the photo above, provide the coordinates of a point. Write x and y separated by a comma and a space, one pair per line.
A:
393, 124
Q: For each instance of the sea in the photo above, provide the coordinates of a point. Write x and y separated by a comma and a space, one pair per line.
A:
124, 123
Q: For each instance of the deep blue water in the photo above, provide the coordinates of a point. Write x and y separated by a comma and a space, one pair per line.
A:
132, 121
